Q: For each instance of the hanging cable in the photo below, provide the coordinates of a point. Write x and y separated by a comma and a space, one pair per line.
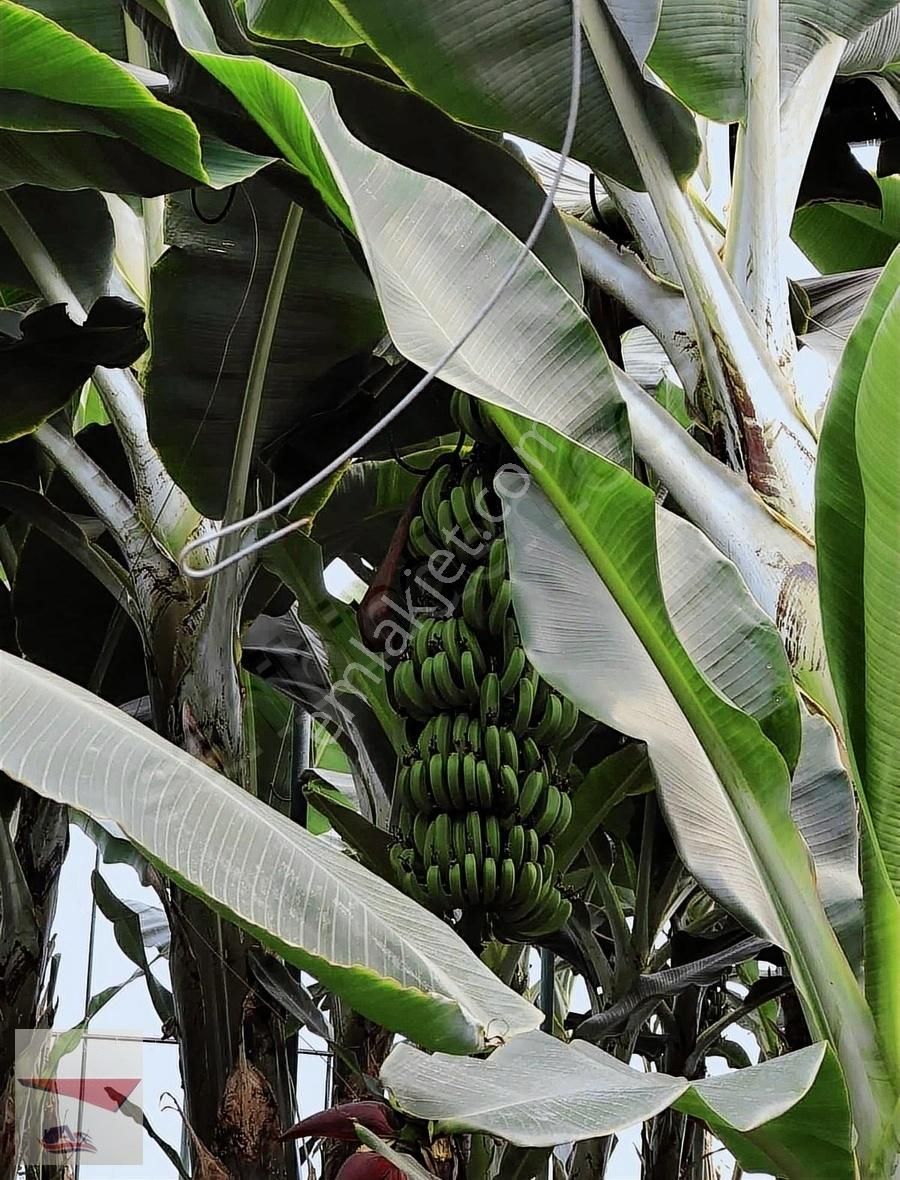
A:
363, 441
595, 205
229, 200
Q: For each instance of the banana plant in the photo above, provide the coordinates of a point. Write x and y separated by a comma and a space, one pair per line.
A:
701, 523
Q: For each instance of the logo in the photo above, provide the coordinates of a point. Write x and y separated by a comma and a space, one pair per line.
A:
78, 1097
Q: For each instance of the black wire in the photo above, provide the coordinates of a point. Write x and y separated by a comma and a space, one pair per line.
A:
407, 466
220, 216
592, 190
398, 458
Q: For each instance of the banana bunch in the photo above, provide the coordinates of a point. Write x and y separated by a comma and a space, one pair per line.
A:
482, 785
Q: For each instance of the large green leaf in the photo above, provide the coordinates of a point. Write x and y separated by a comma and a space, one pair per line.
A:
857, 524
576, 633
43, 59
586, 534
100, 22
824, 809
839, 236
787, 1116
306, 20
207, 294
535, 1091
388, 118
77, 232
506, 64
434, 256
387, 957
50, 360
875, 48
700, 47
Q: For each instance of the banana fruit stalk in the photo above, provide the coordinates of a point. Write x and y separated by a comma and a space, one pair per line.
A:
483, 785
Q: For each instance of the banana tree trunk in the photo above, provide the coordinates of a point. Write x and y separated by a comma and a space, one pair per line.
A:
237, 1077
35, 857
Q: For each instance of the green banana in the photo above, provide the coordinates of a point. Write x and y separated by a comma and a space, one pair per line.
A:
450, 691
475, 835
547, 812
549, 724
563, 819
405, 824
437, 781
401, 783
401, 857
532, 790
433, 494
470, 879
548, 862
457, 889
524, 705
507, 789
425, 743
475, 737
419, 540
419, 799
529, 755
459, 505
472, 601
429, 856
420, 833
412, 886
452, 644
496, 566
443, 733
447, 527
511, 638
500, 608
492, 836
506, 882
469, 676
458, 828
463, 415
470, 642
470, 780
492, 748
456, 796
431, 694
489, 700
484, 782
488, 881
552, 914
528, 887
434, 885
509, 748
569, 721
460, 730
513, 671
515, 845
442, 841
421, 648
414, 698
532, 845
